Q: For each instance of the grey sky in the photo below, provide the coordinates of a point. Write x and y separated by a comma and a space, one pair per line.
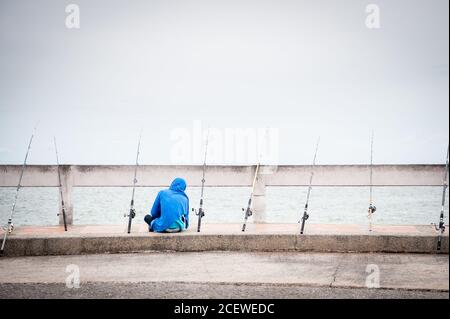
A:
308, 68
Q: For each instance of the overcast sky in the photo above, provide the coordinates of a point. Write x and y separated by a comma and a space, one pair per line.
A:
304, 68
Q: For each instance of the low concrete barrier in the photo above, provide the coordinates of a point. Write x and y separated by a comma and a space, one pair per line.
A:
419, 240
251, 243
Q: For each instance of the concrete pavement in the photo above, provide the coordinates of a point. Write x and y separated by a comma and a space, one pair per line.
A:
171, 290
220, 274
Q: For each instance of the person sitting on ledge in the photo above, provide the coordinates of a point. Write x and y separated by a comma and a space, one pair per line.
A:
170, 211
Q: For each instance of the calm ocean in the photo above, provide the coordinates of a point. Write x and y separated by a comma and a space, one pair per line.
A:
336, 205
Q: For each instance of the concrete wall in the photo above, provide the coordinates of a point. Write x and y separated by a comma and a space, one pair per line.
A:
160, 175
119, 243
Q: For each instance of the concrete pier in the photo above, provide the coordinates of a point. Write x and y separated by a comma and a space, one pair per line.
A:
52, 240
227, 275
267, 261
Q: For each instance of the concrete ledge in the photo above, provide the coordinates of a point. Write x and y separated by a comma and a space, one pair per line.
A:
259, 238
224, 175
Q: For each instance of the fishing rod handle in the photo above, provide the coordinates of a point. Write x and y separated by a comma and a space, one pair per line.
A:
64, 220
199, 224
302, 229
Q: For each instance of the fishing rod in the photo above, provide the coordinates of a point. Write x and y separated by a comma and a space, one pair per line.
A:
441, 227
305, 212
10, 226
200, 212
372, 209
248, 211
63, 207
132, 212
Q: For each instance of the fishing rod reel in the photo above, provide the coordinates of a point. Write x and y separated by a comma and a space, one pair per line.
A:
372, 209
62, 207
440, 227
8, 228
304, 217
131, 214
199, 212
247, 211
305, 214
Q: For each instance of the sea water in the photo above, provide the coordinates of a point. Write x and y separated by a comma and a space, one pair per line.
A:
334, 205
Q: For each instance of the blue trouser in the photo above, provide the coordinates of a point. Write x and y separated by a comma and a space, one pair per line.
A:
149, 218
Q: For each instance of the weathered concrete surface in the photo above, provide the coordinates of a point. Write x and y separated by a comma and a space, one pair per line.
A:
287, 271
176, 290
36, 241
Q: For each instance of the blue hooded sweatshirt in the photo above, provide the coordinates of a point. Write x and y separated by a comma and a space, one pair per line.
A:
171, 207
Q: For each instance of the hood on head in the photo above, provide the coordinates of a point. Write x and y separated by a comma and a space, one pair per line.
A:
178, 184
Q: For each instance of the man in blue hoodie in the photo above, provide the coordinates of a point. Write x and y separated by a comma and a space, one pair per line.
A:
170, 211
